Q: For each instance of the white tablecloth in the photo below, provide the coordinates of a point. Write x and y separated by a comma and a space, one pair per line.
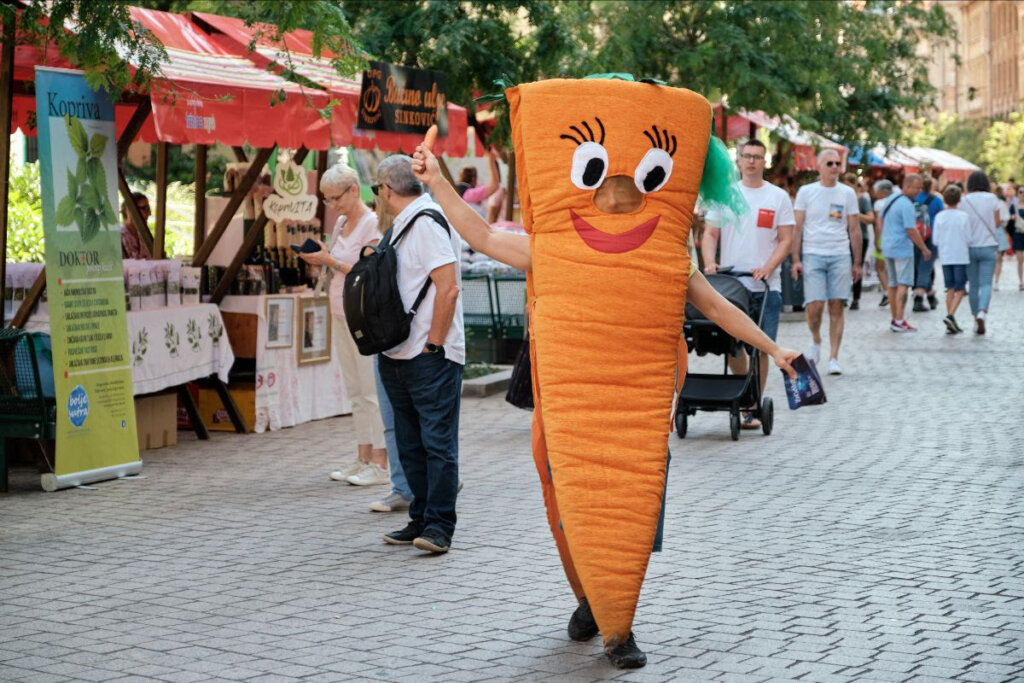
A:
171, 346
288, 394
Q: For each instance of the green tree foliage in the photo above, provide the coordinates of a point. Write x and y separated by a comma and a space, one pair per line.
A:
25, 215
835, 66
1003, 150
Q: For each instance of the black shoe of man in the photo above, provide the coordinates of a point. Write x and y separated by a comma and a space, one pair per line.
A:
627, 655
404, 536
433, 541
582, 625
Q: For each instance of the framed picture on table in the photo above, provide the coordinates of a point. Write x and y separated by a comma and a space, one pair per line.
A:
280, 312
314, 330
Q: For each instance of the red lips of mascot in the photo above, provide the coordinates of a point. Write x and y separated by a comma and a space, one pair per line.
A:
612, 244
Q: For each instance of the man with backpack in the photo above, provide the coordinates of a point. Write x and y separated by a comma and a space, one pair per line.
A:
423, 374
899, 237
927, 206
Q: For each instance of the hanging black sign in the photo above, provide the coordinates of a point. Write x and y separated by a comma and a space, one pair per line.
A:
402, 100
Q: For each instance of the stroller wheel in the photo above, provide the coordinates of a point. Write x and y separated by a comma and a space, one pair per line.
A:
681, 423
767, 415
734, 426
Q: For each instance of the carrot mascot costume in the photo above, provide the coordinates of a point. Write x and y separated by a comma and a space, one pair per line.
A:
606, 299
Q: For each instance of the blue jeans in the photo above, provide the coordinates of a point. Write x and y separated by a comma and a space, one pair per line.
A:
772, 311
979, 275
425, 394
399, 484
924, 269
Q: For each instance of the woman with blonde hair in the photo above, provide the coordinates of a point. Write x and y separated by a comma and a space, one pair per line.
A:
356, 227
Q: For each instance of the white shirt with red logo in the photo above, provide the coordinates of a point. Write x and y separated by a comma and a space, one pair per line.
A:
748, 241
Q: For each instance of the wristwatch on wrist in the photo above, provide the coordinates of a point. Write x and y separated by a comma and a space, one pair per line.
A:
433, 348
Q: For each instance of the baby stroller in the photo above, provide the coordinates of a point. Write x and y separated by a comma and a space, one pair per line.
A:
715, 392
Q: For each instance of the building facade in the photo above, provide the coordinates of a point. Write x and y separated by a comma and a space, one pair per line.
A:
989, 80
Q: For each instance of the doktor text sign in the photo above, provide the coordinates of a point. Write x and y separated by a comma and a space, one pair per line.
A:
96, 436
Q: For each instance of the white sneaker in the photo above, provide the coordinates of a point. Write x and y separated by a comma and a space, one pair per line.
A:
370, 475
347, 471
833, 367
814, 353
392, 503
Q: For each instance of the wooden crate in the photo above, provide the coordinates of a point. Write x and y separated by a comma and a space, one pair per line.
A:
216, 416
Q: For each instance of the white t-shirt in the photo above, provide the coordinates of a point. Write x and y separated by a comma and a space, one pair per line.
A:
748, 241
981, 208
347, 250
427, 246
950, 236
826, 210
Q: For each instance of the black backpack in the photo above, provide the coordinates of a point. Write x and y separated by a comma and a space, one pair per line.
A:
373, 305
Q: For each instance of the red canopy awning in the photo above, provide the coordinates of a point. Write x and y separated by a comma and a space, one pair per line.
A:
207, 94
233, 35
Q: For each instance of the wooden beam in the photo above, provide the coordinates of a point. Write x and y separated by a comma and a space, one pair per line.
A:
133, 210
133, 128
6, 112
321, 208
244, 185
510, 194
240, 154
200, 223
444, 170
160, 237
252, 236
31, 298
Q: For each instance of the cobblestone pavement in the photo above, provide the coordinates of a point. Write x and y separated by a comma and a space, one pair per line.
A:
878, 538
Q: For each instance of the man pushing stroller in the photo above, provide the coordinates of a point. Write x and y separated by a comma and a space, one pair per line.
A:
756, 242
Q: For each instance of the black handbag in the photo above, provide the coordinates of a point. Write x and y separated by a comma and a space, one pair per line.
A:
520, 385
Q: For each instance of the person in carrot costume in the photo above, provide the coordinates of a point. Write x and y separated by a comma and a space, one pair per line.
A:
609, 171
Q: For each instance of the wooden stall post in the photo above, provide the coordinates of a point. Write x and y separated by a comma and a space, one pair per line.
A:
510, 194
321, 208
252, 235
133, 210
246, 183
6, 112
200, 224
159, 239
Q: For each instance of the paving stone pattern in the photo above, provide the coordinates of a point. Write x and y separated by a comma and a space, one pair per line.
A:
877, 538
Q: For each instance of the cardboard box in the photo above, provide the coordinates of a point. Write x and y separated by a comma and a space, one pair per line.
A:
214, 414
156, 418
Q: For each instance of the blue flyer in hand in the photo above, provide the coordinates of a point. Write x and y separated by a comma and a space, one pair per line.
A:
806, 389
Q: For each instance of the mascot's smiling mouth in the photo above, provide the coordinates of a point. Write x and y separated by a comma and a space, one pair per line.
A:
613, 244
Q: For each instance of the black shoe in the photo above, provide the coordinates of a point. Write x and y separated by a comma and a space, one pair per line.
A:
855, 305
884, 302
582, 625
627, 655
951, 326
933, 302
404, 536
434, 541
919, 306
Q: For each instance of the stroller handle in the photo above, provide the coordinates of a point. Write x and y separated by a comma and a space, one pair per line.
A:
728, 270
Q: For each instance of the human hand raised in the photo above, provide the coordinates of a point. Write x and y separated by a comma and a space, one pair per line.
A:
425, 166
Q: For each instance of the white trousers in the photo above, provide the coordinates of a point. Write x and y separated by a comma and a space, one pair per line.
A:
357, 371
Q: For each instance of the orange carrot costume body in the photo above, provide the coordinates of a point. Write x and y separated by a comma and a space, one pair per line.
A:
607, 294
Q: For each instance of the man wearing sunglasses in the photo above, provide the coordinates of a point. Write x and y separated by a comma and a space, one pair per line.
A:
827, 252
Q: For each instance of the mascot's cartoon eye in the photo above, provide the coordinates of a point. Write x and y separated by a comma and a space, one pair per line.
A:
653, 171
589, 165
